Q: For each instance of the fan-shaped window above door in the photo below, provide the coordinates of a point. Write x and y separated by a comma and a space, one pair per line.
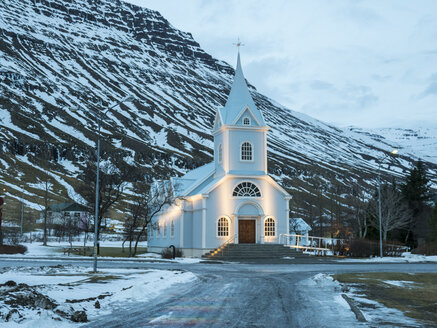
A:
246, 189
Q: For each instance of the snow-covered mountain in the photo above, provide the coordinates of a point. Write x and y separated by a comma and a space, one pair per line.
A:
56, 55
419, 142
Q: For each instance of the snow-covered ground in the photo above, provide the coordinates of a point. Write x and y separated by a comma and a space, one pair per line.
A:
330, 295
49, 296
406, 257
326, 292
375, 312
55, 250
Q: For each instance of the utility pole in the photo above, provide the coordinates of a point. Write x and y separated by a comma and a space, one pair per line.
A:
96, 213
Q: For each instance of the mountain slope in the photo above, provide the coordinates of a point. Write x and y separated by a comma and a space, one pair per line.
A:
56, 55
422, 142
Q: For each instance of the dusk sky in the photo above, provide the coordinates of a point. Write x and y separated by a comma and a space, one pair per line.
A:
362, 63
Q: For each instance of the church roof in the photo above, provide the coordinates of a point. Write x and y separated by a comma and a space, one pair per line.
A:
202, 180
184, 185
239, 98
67, 207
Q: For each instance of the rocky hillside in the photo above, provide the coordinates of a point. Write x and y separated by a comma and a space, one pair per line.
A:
59, 55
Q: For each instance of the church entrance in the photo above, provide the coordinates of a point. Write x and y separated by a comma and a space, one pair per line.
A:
246, 231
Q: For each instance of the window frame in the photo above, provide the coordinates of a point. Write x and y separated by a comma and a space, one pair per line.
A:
218, 231
244, 121
257, 190
252, 152
172, 229
268, 232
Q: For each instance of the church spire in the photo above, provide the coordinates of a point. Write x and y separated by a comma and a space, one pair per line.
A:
239, 97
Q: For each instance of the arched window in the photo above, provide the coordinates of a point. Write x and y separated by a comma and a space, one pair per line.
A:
172, 229
164, 228
220, 153
246, 189
246, 121
269, 227
223, 227
246, 151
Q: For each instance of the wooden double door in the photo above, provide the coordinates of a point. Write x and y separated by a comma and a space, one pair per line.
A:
246, 232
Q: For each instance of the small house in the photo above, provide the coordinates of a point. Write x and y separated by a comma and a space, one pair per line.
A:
298, 226
58, 213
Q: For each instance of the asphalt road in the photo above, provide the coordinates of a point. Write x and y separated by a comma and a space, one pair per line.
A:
241, 295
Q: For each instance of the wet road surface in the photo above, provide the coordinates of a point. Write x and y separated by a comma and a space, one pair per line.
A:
241, 295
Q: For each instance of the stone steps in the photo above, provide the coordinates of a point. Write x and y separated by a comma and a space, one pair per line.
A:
233, 252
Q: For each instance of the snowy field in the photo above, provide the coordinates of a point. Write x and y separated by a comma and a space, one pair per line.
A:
57, 296
54, 250
406, 257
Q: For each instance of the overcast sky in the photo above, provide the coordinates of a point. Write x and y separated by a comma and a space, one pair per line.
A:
361, 63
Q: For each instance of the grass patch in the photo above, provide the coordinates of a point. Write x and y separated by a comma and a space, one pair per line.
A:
107, 251
417, 299
100, 279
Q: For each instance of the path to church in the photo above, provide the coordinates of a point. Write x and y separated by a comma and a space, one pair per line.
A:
240, 295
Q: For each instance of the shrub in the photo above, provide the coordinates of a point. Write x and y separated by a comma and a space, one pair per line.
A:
339, 248
426, 249
394, 248
15, 249
367, 248
167, 253
362, 248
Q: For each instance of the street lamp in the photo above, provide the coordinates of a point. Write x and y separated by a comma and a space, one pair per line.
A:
381, 160
129, 98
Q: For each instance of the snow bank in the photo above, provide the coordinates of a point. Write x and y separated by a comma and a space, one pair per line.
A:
324, 293
406, 257
74, 289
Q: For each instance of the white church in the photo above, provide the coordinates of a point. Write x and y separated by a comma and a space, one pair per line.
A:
232, 199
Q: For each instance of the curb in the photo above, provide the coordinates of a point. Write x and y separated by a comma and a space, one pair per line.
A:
354, 308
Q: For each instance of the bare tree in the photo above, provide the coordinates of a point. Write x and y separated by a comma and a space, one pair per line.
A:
319, 189
47, 187
294, 225
84, 225
111, 185
150, 200
133, 221
44, 163
69, 227
357, 202
395, 211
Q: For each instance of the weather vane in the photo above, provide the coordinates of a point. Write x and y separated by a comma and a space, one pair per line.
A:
238, 44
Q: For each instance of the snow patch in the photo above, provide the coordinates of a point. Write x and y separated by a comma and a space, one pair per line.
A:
62, 283
406, 257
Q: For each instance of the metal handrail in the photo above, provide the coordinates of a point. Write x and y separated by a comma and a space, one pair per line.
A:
311, 239
318, 246
228, 241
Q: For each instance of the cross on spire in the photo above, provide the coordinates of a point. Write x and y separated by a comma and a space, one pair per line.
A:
238, 44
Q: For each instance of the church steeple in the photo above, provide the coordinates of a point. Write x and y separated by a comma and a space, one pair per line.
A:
240, 133
239, 98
